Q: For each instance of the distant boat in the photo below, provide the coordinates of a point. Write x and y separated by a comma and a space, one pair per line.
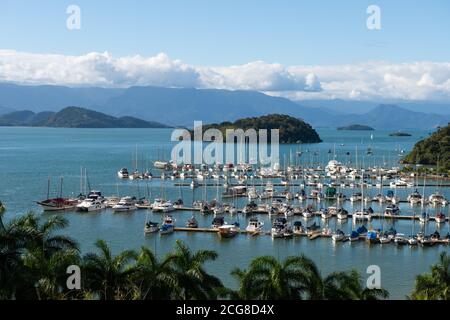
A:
168, 225
192, 223
123, 173
151, 227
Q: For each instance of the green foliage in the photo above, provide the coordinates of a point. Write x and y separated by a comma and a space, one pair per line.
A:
434, 285
434, 150
291, 130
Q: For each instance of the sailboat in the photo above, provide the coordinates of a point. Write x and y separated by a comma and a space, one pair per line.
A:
59, 203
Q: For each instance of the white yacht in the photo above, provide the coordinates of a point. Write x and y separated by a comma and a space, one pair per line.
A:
126, 204
254, 225
123, 173
415, 198
93, 202
163, 206
438, 199
363, 215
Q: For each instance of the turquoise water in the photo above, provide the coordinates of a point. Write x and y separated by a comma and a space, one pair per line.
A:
28, 156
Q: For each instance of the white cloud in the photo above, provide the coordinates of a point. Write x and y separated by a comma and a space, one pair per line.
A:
360, 81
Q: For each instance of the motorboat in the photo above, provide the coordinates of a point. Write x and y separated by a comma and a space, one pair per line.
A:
400, 238
412, 241
217, 222
298, 228
342, 214
372, 236
254, 225
93, 202
308, 213
437, 199
168, 225
391, 210
151, 227
143, 203
325, 214
415, 198
380, 198
228, 230
192, 223
337, 236
126, 204
163, 206
123, 173
278, 228
384, 238
364, 215
356, 197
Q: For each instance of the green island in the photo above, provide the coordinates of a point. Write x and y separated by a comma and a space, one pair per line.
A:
356, 127
291, 130
74, 117
434, 150
34, 260
400, 134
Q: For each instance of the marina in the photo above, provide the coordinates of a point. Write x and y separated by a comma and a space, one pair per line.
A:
210, 197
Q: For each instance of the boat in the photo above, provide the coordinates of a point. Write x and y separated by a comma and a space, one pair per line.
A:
372, 236
412, 241
391, 210
385, 238
288, 232
390, 197
415, 197
178, 204
143, 203
151, 227
254, 225
356, 197
58, 204
308, 212
337, 236
123, 173
301, 195
437, 199
278, 228
400, 238
342, 214
2, 207
354, 236
439, 218
192, 223
93, 202
298, 228
228, 230
163, 206
424, 217
194, 184
168, 225
379, 198
325, 214
362, 230
364, 215
126, 204
312, 229
217, 222
426, 241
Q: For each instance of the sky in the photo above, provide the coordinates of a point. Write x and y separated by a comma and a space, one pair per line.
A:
297, 49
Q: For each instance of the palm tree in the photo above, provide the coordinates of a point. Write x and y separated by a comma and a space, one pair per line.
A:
109, 277
193, 281
348, 286
155, 279
267, 278
298, 278
434, 286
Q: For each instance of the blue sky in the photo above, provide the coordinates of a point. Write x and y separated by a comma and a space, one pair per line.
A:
296, 49
208, 32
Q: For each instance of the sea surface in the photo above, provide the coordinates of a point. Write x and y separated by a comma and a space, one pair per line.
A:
30, 156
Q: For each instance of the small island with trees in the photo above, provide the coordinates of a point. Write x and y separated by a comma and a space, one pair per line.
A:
291, 130
357, 127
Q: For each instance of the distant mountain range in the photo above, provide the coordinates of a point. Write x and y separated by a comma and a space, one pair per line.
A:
181, 106
73, 117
